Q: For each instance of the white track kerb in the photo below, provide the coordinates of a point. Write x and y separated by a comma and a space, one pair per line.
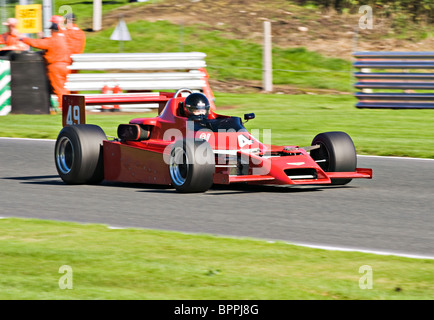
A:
377, 252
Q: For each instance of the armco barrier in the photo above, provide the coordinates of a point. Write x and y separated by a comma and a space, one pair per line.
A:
395, 85
5, 87
139, 72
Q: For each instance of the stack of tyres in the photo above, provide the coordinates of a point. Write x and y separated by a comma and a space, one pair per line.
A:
29, 83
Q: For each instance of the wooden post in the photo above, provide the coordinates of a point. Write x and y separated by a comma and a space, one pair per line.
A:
267, 67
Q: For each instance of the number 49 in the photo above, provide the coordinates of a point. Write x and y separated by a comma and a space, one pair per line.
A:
73, 116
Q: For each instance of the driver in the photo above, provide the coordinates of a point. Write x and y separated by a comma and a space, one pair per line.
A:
196, 107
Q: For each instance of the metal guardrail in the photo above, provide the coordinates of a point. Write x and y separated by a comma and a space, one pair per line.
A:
403, 83
152, 71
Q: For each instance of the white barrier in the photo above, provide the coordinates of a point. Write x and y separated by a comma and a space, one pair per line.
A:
136, 81
151, 71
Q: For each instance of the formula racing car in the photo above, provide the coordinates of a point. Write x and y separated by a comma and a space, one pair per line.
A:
191, 147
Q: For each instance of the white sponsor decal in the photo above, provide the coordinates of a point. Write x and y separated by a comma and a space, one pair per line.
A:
205, 136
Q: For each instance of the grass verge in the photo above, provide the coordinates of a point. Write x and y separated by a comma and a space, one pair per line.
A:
293, 119
151, 264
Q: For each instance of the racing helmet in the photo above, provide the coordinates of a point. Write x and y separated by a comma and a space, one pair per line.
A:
196, 106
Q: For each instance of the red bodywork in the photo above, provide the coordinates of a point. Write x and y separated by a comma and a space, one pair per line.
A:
144, 161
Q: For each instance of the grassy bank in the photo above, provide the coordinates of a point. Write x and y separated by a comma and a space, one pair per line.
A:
144, 264
293, 119
229, 58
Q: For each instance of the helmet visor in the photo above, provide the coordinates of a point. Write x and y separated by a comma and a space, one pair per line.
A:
198, 112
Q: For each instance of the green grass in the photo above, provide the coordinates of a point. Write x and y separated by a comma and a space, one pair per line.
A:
293, 119
146, 264
84, 9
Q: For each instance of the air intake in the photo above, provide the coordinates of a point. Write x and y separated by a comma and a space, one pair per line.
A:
301, 174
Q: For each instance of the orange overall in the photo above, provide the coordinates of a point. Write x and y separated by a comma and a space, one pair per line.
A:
12, 42
76, 39
57, 57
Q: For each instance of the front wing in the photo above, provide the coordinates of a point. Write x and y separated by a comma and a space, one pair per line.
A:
299, 169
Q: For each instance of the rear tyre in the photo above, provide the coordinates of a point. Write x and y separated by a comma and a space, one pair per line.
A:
336, 154
78, 154
191, 165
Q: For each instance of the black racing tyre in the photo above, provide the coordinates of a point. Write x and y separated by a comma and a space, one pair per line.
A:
78, 154
336, 154
191, 165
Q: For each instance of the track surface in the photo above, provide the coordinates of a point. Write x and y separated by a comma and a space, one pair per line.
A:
392, 213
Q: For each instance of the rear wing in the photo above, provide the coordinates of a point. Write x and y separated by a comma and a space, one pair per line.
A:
74, 105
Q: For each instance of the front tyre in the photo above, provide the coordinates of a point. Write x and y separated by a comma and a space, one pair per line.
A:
335, 154
191, 165
78, 154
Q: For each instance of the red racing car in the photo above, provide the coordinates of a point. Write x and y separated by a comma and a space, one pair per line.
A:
191, 147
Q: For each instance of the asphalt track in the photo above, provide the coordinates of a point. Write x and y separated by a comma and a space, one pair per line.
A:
392, 213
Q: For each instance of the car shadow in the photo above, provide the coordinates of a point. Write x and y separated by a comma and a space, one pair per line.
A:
148, 187
219, 190
46, 179
246, 188
215, 190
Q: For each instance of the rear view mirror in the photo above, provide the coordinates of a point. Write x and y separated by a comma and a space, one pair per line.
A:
249, 116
